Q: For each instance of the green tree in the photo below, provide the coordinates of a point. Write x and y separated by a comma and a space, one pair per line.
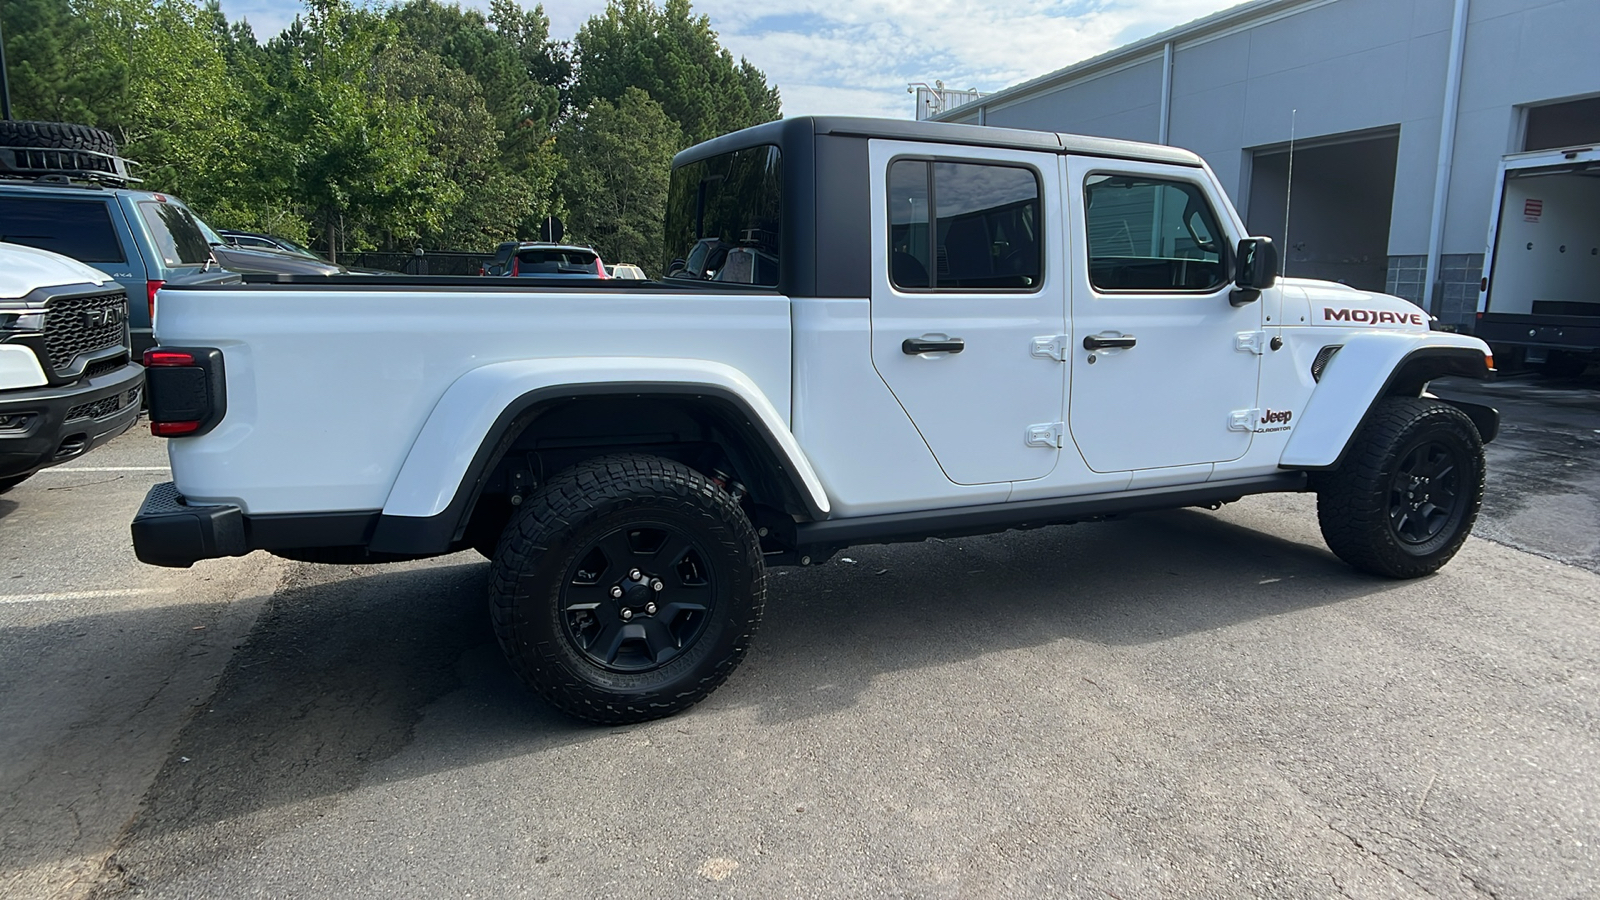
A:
356, 157
618, 161
672, 55
493, 200
52, 78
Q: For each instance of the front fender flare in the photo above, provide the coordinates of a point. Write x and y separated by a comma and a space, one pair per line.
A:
462, 439
1367, 368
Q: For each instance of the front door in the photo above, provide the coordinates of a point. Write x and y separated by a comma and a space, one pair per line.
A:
1158, 371
969, 272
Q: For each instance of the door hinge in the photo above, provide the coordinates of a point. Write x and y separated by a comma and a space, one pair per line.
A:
1254, 341
1052, 346
1046, 435
1243, 419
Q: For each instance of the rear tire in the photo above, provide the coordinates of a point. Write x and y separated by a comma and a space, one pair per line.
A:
7, 484
1409, 490
627, 589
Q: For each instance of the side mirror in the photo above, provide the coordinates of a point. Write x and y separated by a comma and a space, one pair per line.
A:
1257, 259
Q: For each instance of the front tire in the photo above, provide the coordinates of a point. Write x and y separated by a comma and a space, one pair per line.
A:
627, 589
1409, 490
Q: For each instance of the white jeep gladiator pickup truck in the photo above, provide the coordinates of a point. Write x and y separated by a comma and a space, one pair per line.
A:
869, 331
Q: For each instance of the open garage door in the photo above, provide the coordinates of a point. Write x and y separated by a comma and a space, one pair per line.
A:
1339, 216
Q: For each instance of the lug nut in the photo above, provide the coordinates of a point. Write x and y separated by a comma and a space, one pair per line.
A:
656, 585
650, 608
627, 614
616, 593
634, 574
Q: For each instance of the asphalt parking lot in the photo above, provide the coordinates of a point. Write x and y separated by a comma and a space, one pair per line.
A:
1183, 704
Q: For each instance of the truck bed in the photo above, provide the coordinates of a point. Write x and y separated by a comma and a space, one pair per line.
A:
336, 377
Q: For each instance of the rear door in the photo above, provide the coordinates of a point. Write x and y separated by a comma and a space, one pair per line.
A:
1158, 370
969, 273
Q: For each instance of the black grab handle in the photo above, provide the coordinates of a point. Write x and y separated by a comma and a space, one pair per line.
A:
914, 346
1099, 343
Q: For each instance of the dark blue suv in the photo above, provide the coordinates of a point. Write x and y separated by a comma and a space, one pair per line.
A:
140, 238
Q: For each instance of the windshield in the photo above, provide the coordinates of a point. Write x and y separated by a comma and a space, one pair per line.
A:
292, 247
723, 218
178, 235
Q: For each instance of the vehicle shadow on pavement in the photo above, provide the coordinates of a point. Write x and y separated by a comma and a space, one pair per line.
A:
1125, 583
345, 663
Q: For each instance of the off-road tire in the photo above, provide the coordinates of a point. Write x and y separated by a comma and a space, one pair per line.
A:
542, 568
1357, 503
7, 484
56, 136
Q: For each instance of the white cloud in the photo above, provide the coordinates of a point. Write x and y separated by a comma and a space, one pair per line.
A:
857, 58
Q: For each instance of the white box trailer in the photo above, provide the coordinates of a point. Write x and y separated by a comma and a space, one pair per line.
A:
1539, 301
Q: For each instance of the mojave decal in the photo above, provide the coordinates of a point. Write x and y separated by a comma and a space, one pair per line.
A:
1360, 316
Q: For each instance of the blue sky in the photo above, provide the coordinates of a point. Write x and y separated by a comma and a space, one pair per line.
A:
856, 58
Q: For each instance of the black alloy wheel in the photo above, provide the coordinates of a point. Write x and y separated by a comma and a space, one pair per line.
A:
1407, 493
627, 588
1425, 493
637, 596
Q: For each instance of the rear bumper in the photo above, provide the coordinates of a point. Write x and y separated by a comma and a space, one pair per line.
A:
1571, 333
51, 425
169, 532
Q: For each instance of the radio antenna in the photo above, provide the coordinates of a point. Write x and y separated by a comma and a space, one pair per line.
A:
1288, 194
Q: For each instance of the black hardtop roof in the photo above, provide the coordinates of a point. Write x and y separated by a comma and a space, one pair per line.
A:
783, 131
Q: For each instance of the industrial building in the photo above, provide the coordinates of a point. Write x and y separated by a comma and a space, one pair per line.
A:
1414, 122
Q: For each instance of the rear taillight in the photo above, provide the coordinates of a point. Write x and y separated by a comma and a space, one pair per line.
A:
174, 429
186, 390
150, 288
161, 357
599, 267
514, 267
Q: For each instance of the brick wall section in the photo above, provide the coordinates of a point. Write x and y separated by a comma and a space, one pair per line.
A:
1457, 290
1406, 274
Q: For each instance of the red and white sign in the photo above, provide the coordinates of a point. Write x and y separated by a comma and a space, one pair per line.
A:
1532, 210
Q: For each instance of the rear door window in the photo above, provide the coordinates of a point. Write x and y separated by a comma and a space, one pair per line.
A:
80, 229
176, 233
983, 233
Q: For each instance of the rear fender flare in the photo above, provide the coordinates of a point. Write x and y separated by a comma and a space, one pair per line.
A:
1367, 368
473, 423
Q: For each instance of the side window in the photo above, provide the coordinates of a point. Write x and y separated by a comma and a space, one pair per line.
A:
176, 234
1147, 234
964, 227
80, 229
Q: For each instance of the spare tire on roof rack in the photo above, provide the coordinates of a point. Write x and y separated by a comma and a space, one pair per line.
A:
35, 149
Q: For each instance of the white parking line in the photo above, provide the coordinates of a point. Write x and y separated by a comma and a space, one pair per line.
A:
80, 595
57, 469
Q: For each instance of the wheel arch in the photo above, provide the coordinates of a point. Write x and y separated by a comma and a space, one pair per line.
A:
445, 475
1370, 367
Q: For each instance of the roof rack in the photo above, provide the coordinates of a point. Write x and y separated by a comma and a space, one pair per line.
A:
39, 163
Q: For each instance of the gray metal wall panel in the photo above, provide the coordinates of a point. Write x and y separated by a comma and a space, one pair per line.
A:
1123, 104
1351, 65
